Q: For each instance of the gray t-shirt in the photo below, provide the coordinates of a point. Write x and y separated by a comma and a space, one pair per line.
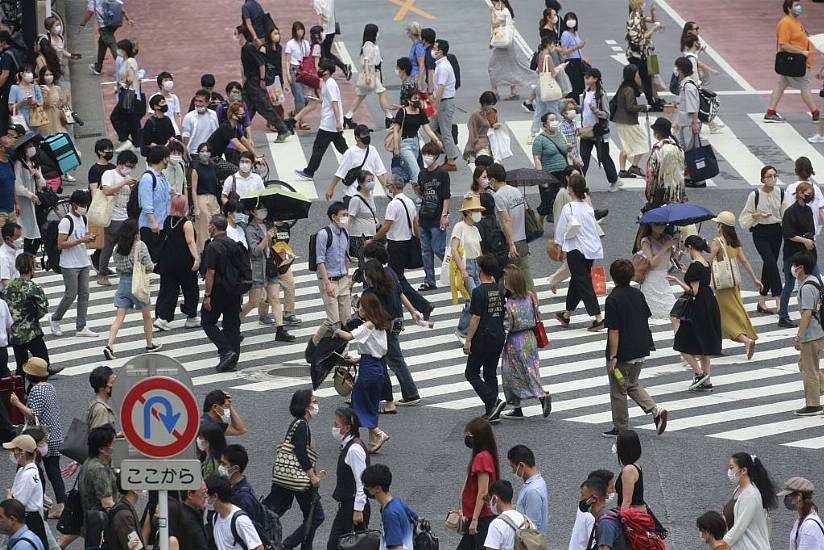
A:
808, 299
510, 199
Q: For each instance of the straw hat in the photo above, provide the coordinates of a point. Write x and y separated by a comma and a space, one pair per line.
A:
472, 202
725, 218
36, 367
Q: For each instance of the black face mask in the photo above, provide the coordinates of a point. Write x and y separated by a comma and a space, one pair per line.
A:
162, 108
366, 140
583, 505
808, 199
468, 441
321, 73
107, 155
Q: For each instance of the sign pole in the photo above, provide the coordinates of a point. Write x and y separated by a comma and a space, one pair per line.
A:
163, 520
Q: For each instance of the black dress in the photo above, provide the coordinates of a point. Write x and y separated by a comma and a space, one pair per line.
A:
700, 335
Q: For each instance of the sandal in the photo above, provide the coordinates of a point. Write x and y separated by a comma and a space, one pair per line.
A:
384, 410
426, 287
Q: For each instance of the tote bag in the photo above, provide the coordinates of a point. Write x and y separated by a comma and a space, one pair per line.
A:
725, 272
599, 281
501, 37
550, 89
701, 162
286, 471
100, 210
140, 277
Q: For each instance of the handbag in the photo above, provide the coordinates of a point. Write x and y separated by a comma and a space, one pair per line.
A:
641, 265
599, 281
532, 224
367, 540
725, 273
501, 36
454, 521
573, 225
344, 379
791, 64
550, 89
75, 444
67, 115
100, 210
389, 142
307, 73
140, 276
652, 64
286, 471
99, 241
352, 173
414, 259
554, 251
71, 520
683, 307
127, 99
539, 329
37, 116
701, 162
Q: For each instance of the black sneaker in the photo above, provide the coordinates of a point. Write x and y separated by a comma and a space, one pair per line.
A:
786, 322
227, 363
706, 386
514, 414
528, 107
546, 404
698, 379
601, 213
562, 319
660, 421
696, 184
809, 411
292, 320
610, 433
497, 409
282, 336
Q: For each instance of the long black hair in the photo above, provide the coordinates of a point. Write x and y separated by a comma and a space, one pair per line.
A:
483, 439
50, 55
629, 79
370, 34
378, 279
126, 236
350, 418
759, 477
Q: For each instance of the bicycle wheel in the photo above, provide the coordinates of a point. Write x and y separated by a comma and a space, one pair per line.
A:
262, 169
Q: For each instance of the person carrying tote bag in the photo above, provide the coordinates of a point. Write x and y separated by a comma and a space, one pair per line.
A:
550, 89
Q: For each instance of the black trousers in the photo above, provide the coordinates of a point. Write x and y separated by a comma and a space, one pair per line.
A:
226, 339
35, 348
767, 240
105, 41
34, 521
483, 360
580, 284
280, 500
5, 115
342, 524
172, 283
602, 148
321, 144
127, 123
259, 103
476, 541
575, 72
52, 466
152, 242
646, 78
398, 254
326, 51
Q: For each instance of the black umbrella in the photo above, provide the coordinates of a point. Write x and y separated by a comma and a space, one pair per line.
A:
281, 203
530, 176
326, 354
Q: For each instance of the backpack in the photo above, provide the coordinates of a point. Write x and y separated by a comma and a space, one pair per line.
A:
527, 537
266, 522
51, 235
422, 536
819, 312
613, 106
708, 103
235, 275
112, 14
109, 534
313, 248
638, 527
265, 540
758, 195
133, 206
493, 240
23, 539
456, 68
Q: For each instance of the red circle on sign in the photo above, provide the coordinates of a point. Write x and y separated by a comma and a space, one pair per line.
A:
135, 396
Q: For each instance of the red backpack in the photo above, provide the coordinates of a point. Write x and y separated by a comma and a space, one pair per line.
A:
639, 528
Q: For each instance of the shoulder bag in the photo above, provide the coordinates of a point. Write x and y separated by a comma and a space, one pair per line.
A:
724, 272
573, 226
683, 307
791, 64
356, 241
76, 441
100, 210
352, 173
307, 73
37, 116
640, 265
344, 379
539, 330
389, 142
286, 471
550, 89
141, 283
71, 520
532, 224
366, 540
501, 36
414, 259
700, 161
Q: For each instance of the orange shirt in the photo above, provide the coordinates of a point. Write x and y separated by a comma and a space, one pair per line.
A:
790, 31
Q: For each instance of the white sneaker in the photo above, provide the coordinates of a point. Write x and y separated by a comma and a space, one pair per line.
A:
55, 327
161, 324
124, 146
69, 178
192, 322
86, 333
816, 138
614, 187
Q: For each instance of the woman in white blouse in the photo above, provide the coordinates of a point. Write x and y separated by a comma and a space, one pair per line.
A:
577, 232
746, 512
371, 78
762, 216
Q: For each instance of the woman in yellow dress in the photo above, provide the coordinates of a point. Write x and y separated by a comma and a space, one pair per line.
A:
735, 323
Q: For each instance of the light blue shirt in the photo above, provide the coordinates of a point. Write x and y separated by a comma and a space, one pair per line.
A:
156, 202
335, 255
533, 502
25, 533
17, 94
569, 41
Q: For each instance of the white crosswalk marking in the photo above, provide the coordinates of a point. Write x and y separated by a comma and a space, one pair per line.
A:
788, 139
751, 400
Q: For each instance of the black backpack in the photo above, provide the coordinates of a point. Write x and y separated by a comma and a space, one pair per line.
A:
613, 105
133, 206
819, 310
422, 536
493, 240
235, 274
50, 235
265, 541
266, 522
109, 534
313, 247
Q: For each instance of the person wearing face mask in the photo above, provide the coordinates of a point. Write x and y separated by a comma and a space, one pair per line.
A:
807, 532
353, 507
219, 410
27, 487
580, 539
465, 246
233, 462
665, 167
370, 78
363, 220
608, 532
24, 95
335, 286
569, 128
165, 85
100, 412
408, 121
205, 192
199, 123
123, 521
13, 524
505, 66
761, 215
798, 227
97, 485
550, 153
54, 28
631, 134
232, 137
158, 128
234, 229
175, 170
572, 42
72, 237
480, 181
479, 124
11, 233
125, 118
244, 181
211, 441
361, 156
154, 197
104, 149
312, 99
501, 534
52, 94
809, 340
233, 528
483, 471
433, 216
28, 179
116, 183
532, 499
747, 511
445, 86
303, 407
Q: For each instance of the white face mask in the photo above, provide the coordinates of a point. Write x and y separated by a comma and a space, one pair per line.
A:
314, 410
732, 477
343, 220
611, 497
553, 125
81, 210
476, 216
201, 110
555, 19
569, 114
43, 449
205, 156
201, 444
30, 152
169, 85
245, 167
370, 185
126, 171
484, 183
28, 77
57, 29
770, 182
12, 458
226, 417
261, 213
223, 471
397, 72
428, 160
337, 434
572, 23
48, 79
176, 158
794, 270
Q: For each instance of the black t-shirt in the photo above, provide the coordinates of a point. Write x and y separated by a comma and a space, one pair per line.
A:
488, 304
251, 59
410, 124
392, 301
7, 63
434, 186
626, 311
274, 57
157, 131
206, 178
797, 221
96, 172
428, 62
219, 140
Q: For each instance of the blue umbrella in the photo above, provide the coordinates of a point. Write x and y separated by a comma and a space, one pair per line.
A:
677, 214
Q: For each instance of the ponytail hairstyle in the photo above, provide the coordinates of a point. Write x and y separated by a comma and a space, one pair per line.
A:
348, 417
807, 504
374, 272
759, 477
729, 234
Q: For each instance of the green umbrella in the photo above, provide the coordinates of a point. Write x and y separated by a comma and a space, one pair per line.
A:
281, 204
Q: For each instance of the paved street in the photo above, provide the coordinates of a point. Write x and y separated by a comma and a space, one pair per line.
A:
685, 469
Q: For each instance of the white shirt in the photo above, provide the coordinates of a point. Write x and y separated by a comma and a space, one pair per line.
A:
174, 108
224, 540
76, 256
8, 256
353, 157
370, 341
811, 536
356, 459
242, 185
586, 241
120, 199
28, 488
470, 239
5, 323
237, 234
816, 205
581, 530
588, 118
198, 128
500, 535
445, 74
297, 51
330, 92
326, 9
400, 230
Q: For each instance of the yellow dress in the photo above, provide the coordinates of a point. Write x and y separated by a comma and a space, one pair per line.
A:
734, 318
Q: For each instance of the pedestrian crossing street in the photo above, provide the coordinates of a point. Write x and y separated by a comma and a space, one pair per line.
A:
743, 145
752, 401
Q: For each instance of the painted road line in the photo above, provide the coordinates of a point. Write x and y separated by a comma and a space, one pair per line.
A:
722, 417
736, 154
409, 5
520, 131
788, 139
343, 53
811, 443
774, 428
288, 157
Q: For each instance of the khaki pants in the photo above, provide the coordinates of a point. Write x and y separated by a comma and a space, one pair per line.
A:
208, 207
631, 387
522, 263
338, 308
811, 376
287, 282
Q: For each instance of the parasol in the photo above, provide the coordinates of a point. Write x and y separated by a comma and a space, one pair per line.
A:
677, 214
281, 203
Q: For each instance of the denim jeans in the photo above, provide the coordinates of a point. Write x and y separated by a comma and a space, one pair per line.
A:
297, 89
789, 287
433, 243
470, 284
410, 149
542, 107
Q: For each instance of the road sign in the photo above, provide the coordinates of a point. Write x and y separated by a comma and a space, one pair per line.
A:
153, 475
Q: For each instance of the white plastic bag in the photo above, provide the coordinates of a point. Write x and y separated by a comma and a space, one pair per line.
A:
499, 142
446, 264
